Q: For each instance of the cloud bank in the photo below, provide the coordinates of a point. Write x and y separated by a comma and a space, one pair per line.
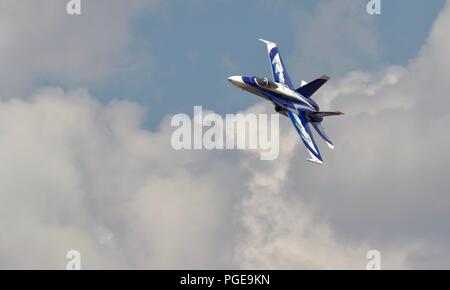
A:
79, 174
39, 41
338, 37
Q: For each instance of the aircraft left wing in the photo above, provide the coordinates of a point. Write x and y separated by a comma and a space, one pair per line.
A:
280, 74
303, 129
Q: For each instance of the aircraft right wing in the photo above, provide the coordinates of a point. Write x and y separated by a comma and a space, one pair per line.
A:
279, 71
303, 129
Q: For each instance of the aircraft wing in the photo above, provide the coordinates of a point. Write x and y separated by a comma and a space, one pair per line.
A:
303, 129
279, 71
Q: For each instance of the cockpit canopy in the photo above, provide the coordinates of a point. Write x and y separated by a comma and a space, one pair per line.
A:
265, 83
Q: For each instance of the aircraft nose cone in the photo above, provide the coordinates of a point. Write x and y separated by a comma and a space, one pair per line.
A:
235, 80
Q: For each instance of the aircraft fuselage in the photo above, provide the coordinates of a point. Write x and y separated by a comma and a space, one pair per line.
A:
296, 104
283, 97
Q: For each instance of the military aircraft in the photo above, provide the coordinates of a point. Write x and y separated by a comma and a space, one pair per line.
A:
296, 104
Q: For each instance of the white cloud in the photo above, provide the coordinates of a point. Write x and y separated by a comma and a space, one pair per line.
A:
39, 41
385, 183
78, 174
338, 37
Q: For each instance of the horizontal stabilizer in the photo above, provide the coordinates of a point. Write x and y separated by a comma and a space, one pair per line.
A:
321, 131
327, 114
309, 89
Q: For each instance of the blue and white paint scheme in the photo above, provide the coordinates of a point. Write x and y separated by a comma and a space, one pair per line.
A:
296, 104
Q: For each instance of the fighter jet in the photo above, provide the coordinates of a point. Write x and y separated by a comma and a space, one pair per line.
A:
296, 104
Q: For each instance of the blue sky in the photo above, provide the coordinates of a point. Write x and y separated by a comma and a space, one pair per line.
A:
194, 45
